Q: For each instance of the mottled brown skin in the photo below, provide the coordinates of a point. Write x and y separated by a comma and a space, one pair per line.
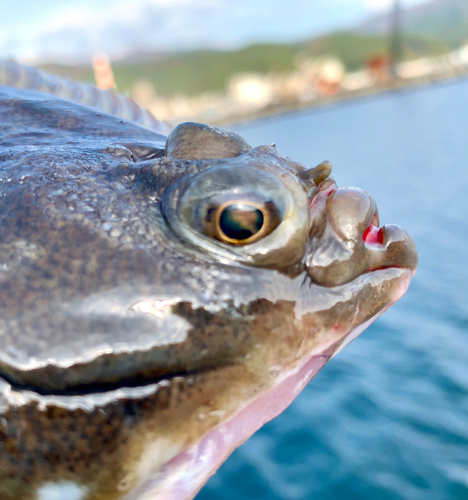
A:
82, 234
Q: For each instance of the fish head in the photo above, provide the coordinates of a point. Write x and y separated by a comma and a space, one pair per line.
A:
286, 236
160, 304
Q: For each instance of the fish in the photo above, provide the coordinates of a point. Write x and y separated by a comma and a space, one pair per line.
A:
163, 292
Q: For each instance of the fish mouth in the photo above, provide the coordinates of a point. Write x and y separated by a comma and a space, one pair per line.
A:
120, 340
145, 360
346, 240
131, 384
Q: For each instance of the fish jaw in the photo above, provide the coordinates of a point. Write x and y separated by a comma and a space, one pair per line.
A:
182, 477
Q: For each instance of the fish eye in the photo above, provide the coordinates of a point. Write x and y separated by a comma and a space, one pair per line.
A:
240, 212
241, 222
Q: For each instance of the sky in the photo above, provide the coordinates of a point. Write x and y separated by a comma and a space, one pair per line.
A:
34, 31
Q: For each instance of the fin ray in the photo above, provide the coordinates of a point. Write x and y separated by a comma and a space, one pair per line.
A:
16, 75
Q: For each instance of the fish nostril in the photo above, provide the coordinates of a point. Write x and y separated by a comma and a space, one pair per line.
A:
325, 191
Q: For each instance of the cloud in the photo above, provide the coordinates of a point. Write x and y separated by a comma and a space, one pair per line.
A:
115, 27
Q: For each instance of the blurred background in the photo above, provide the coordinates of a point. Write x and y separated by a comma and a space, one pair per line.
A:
222, 61
380, 89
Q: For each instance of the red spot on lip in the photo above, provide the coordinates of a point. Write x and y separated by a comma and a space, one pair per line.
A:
373, 235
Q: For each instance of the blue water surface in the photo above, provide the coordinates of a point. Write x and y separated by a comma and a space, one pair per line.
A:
387, 418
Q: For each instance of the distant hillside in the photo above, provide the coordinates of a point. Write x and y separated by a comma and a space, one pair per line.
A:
445, 20
193, 72
354, 49
208, 70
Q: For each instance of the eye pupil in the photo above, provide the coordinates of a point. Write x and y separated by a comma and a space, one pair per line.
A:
240, 221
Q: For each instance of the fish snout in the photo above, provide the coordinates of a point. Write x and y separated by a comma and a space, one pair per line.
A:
351, 210
394, 248
346, 240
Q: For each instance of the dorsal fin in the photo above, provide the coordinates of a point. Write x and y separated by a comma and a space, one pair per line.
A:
18, 76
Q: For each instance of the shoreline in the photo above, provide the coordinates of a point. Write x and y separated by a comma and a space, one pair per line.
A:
391, 85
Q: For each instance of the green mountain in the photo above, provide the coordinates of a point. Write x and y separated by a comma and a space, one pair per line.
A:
193, 72
208, 70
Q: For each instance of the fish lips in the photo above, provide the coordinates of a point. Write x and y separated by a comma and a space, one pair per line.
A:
345, 240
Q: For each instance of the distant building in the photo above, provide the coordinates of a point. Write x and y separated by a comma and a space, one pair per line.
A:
329, 75
379, 67
254, 90
357, 80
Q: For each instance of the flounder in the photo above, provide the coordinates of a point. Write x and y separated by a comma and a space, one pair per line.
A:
162, 297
